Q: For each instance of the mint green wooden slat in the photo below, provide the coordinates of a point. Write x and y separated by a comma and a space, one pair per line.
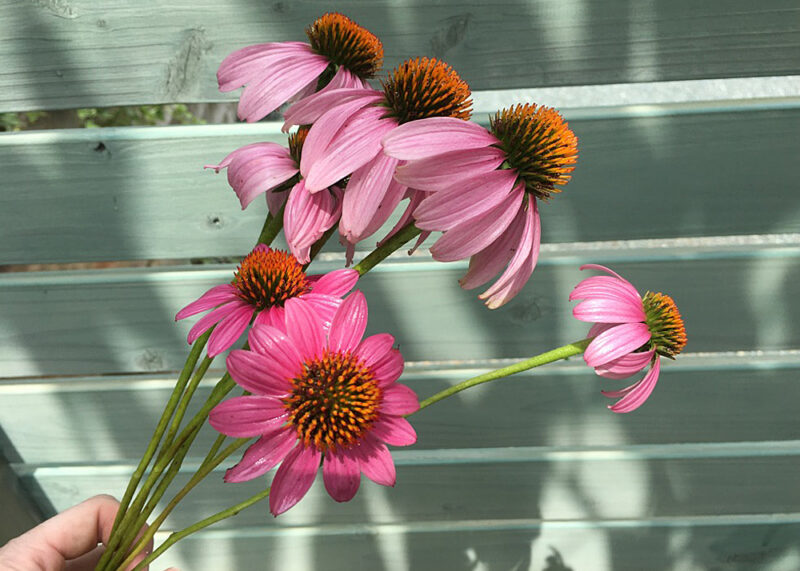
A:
79, 53
62, 326
574, 490
48, 423
141, 193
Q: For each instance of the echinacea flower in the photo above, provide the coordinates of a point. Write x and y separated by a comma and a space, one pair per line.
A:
272, 169
262, 284
339, 50
630, 332
347, 128
318, 395
484, 188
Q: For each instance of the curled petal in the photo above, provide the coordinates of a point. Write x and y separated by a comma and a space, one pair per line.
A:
616, 342
625, 366
636, 394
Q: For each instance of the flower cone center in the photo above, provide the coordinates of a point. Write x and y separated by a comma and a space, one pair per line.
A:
334, 402
296, 141
347, 44
667, 333
426, 87
538, 144
267, 278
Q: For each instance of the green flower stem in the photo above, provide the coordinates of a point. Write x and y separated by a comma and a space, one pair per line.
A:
272, 227
187, 397
152, 446
178, 535
394, 243
201, 473
555, 355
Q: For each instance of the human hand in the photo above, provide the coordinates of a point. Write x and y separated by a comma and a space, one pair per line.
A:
73, 540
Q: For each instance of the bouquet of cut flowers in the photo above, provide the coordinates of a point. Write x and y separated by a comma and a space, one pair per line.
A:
314, 391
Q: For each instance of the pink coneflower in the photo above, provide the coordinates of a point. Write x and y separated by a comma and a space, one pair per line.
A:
339, 52
317, 395
630, 332
262, 284
485, 186
348, 125
272, 169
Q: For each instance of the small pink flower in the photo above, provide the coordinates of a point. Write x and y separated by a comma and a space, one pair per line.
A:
275, 73
318, 395
630, 332
347, 128
484, 187
274, 170
263, 283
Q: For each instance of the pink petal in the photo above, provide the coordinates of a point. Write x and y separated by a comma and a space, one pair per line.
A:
324, 305
337, 282
598, 328
212, 318
242, 65
606, 287
247, 416
449, 169
626, 365
394, 430
313, 107
229, 329
259, 176
415, 198
450, 207
293, 478
474, 235
349, 324
306, 219
603, 269
274, 316
616, 342
304, 328
373, 348
341, 474
365, 197
399, 400
376, 462
273, 343
488, 262
606, 310
263, 455
639, 392
522, 264
352, 147
212, 298
425, 138
258, 374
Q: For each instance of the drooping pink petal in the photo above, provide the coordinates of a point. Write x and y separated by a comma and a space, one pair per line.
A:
337, 282
474, 235
241, 66
597, 328
605, 310
229, 329
306, 219
258, 374
606, 287
212, 298
324, 305
311, 108
366, 196
394, 430
616, 342
415, 197
425, 138
341, 474
449, 169
399, 400
376, 462
247, 416
522, 263
450, 207
352, 147
304, 328
293, 478
486, 264
626, 365
263, 455
609, 271
259, 176
275, 199
212, 318
639, 392
349, 324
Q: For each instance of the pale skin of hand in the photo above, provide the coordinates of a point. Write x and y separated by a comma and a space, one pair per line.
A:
70, 541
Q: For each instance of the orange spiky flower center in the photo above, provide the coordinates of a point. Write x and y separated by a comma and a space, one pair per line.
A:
267, 278
426, 87
538, 144
296, 141
347, 44
667, 333
334, 402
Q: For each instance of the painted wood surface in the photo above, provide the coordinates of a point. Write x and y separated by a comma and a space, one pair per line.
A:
137, 193
121, 321
81, 53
